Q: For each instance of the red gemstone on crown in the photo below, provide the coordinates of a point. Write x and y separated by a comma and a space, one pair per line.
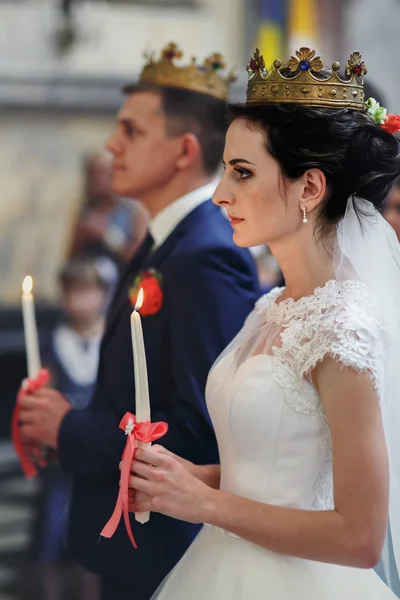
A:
358, 70
253, 64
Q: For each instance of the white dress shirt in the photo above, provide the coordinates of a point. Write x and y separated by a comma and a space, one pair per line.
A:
163, 224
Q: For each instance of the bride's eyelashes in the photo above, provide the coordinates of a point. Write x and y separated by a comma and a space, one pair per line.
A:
239, 173
242, 173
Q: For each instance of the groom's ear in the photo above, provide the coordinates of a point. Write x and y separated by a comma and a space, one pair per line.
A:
190, 151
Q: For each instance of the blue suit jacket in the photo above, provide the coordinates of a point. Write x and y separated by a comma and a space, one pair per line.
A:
210, 286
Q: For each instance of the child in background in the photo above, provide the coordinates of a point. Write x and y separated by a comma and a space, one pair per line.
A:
72, 359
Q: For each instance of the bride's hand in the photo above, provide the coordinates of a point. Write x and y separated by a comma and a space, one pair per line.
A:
170, 486
187, 464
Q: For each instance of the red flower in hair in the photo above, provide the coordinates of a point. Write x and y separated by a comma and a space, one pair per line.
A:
391, 124
150, 281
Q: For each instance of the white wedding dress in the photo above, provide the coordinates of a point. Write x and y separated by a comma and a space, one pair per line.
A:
275, 446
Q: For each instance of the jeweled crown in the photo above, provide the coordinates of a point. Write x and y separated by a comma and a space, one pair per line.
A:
206, 78
304, 80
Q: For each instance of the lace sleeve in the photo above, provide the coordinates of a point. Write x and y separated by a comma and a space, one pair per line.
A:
353, 333
341, 320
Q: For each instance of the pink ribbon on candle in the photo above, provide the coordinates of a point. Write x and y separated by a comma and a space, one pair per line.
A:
146, 432
28, 387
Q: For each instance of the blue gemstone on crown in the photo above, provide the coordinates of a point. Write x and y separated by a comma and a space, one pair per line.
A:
304, 65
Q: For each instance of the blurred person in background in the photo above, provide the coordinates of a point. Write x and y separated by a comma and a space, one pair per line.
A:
392, 210
108, 226
72, 359
167, 147
269, 273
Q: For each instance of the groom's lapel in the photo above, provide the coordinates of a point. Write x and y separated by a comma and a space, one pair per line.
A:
121, 293
153, 260
186, 227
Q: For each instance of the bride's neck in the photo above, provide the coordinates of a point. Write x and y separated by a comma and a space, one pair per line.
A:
305, 263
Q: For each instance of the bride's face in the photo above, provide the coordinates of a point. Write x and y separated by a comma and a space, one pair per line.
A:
262, 207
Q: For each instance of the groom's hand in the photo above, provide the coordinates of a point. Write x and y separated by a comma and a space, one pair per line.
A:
36, 453
42, 413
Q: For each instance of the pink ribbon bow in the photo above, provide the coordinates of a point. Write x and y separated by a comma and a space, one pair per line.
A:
146, 432
28, 387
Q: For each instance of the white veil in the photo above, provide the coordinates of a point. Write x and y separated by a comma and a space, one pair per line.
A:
368, 250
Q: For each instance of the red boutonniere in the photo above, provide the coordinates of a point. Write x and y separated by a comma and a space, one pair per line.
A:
151, 282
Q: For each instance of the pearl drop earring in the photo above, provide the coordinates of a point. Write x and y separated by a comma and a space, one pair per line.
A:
305, 220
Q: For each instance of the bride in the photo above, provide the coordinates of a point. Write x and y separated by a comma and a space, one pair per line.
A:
306, 400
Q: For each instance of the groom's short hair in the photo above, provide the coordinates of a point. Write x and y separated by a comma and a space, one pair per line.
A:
192, 112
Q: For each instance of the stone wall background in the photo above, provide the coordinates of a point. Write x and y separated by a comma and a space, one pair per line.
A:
41, 191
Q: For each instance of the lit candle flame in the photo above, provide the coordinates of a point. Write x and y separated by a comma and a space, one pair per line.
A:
27, 285
139, 301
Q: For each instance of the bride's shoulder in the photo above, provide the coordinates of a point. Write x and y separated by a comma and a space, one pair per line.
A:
338, 305
342, 319
348, 302
349, 325
334, 300
346, 308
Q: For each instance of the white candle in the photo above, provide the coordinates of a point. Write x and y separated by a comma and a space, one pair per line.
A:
30, 329
142, 398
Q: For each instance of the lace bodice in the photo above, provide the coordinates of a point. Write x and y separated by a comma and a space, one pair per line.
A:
270, 423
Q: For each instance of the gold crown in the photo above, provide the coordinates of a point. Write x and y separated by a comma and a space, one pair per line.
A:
203, 79
303, 80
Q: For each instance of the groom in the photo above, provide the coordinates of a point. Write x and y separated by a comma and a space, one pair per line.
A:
167, 147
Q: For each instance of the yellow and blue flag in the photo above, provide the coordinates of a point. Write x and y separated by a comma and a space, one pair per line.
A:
302, 24
271, 32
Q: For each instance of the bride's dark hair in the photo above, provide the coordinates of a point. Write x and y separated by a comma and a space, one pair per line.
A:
354, 153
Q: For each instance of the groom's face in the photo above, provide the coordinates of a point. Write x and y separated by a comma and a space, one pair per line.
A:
144, 155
